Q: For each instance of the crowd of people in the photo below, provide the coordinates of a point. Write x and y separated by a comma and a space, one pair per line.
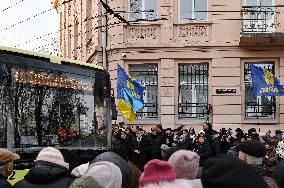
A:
163, 158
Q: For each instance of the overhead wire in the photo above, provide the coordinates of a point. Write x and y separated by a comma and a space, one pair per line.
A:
34, 16
11, 6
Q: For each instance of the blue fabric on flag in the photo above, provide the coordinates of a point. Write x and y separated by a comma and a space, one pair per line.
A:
129, 89
264, 83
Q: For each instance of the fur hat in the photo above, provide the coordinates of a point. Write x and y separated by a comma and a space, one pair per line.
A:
253, 148
52, 155
185, 164
106, 174
85, 182
223, 171
7, 156
156, 171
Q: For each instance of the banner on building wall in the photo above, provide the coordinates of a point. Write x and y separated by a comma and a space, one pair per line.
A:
129, 95
265, 83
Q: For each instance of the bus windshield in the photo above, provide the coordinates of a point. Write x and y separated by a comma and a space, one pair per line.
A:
46, 104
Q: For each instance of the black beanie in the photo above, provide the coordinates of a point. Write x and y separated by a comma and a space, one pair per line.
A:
253, 148
222, 171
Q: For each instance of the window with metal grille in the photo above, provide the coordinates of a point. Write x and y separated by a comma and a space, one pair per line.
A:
258, 106
147, 75
193, 91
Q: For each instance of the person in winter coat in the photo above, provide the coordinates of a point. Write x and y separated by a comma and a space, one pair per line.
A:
271, 159
49, 170
239, 133
6, 166
120, 162
138, 150
216, 143
154, 146
234, 151
207, 128
136, 173
252, 152
278, 174
222, 171
202, 149
159, 174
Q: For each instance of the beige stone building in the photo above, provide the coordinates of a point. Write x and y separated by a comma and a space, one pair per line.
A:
187, 53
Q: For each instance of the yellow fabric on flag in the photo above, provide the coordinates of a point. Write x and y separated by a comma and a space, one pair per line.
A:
126, 111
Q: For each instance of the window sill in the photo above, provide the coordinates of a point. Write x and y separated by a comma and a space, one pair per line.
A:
190, 121
260, 121
192, 22
144, 23
147, 121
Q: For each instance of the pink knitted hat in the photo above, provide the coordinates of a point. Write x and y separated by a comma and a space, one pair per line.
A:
156, 171
52, 155
185, 164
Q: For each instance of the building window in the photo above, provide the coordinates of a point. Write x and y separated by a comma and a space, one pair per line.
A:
142, 10
193, 10
258, 16
257, 106
147, 75
193, 91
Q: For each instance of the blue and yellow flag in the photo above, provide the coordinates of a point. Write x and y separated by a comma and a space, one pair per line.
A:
129, 95
264, 83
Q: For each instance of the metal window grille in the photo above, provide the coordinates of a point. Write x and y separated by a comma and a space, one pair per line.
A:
193, 91
147, 75
258, 106
258, 19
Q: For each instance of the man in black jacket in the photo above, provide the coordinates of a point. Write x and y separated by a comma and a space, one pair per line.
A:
6, 166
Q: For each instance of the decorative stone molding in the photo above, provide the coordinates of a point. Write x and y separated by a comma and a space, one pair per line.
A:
168, 82
193, 32
142, 34
167, 92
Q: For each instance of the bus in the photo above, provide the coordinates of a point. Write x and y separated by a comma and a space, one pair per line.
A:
52, 101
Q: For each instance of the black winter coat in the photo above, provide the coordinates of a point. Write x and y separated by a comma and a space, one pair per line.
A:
153, 149
4, 183
204, 151
141, 158
45, 175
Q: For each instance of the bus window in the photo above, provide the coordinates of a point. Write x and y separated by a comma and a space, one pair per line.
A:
45, 104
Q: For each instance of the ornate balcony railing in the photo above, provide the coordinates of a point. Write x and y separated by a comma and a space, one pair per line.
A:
259, 19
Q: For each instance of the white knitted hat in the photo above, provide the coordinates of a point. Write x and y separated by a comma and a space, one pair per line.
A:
52, 155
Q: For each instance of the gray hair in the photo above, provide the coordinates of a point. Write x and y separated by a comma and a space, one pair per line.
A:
252, 159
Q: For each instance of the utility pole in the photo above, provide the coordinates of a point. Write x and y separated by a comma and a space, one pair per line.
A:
104, 35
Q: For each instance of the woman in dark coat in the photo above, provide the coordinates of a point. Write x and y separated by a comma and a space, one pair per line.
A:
49, 170
202, 149
138, 147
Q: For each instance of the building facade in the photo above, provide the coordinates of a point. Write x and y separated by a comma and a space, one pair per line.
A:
192, 56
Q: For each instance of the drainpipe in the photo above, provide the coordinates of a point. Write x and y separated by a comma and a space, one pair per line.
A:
104, 36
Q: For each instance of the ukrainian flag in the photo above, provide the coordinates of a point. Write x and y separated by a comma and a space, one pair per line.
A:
129, 95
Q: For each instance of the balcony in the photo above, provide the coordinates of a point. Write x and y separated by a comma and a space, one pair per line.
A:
261, 25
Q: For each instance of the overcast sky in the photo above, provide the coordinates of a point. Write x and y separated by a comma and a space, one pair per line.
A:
28, 30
